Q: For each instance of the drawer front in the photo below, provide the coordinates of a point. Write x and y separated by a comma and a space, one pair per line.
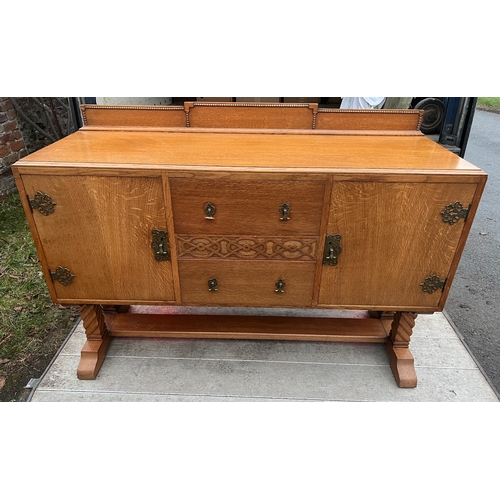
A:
248, 207
247, 283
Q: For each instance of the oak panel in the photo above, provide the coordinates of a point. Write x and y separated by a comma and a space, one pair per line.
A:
101, 231
393, 237
284, 151
246, 207
248, 327
155, 116
364, 119
247, 283
258, 116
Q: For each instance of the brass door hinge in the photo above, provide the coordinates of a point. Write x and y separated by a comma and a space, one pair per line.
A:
43, 203
63, 275
433, 283
453, 212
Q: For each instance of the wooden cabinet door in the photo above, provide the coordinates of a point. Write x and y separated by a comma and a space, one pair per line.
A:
392, 238
101, 230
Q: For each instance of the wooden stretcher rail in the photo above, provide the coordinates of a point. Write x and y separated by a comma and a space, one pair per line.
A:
249, 327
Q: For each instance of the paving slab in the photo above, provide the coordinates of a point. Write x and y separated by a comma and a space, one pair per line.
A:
213, 370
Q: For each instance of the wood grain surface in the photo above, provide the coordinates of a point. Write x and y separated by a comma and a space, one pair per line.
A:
251, 116
129, 116
246, 207
248, 327
393, 237
341, 119
247, 283
101, 231
283, 151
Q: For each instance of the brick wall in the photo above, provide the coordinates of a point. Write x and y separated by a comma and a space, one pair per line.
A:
12, 146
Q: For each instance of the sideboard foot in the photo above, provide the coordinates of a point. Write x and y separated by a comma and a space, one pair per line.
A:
92, 358
98, 338
397, 345
402, 365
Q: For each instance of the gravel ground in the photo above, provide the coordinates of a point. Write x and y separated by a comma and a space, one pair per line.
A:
474, 301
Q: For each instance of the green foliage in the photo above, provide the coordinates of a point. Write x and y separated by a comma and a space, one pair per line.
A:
488, 102
27, 314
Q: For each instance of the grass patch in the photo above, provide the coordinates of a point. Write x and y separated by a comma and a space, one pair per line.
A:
489, 104
32, 328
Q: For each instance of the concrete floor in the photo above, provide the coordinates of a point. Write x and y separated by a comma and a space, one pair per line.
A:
241, 370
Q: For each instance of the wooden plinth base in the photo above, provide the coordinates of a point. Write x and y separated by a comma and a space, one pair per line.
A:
94, 350
92, 358
402, 365
381, 330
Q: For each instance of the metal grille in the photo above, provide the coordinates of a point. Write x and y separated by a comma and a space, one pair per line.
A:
44, 120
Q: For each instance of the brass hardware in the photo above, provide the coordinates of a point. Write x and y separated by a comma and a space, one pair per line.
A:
332, 249
285, 210
432, 284
209, 210
212, 285
453, 212
43, 203
280, 284
160, 244
63, 275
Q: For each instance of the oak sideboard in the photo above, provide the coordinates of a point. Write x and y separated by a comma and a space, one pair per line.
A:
249, 205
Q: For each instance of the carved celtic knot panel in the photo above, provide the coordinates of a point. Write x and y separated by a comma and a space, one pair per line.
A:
247, 247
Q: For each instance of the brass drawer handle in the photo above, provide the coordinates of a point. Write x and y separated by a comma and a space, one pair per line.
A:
280, 284
210, 210
285, 210
212, 284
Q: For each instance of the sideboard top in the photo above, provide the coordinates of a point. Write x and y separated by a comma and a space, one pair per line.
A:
296, 151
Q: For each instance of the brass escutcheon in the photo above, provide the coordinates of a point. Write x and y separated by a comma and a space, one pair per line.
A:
160, 244
332, 249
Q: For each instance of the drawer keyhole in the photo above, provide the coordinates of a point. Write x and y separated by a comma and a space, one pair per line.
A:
212, 284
